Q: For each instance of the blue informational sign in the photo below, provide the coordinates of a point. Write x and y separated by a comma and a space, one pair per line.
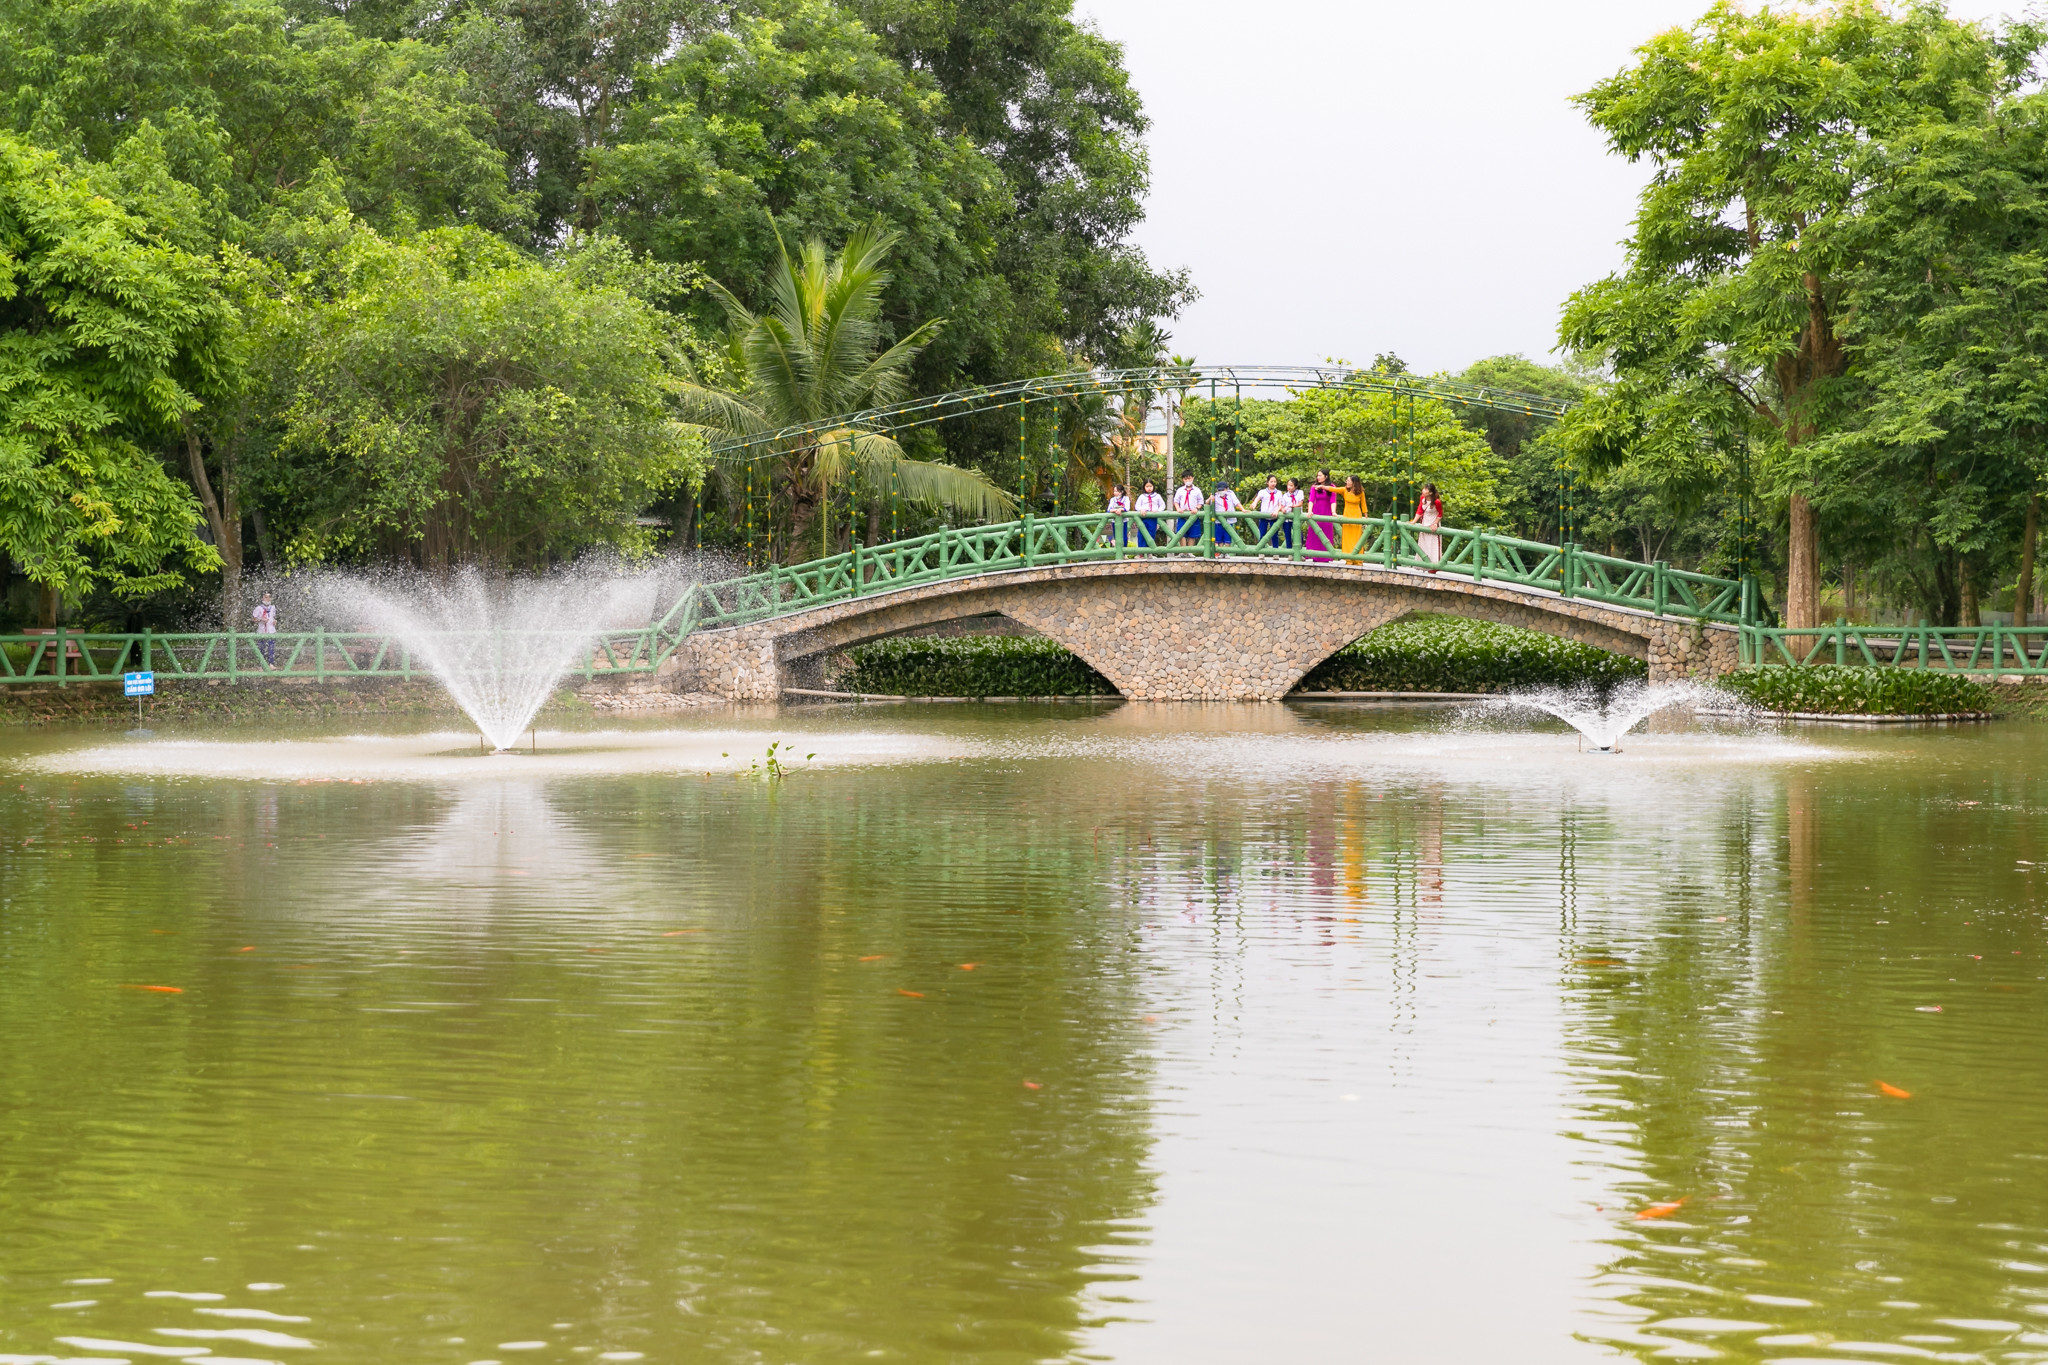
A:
138, 684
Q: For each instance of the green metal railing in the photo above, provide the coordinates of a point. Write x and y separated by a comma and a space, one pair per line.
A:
1046, 542
1564, 571
65, 656
1960, 649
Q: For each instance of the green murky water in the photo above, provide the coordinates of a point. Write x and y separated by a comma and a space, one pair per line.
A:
1200, 1034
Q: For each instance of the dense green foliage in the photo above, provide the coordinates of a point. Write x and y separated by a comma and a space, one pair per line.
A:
1420, 654
815, 354
442, 268
1452, 654
1822, 288
972, 666
364, 279
1834, 689
109, 337
452, 396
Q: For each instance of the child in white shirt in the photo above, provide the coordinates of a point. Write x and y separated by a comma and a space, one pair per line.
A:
1150, 501
1224, 500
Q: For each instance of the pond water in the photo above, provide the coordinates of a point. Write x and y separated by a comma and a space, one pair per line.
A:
1134, 1034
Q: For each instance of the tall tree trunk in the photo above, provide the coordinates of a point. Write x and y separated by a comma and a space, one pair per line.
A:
2023, 593
1967, 572
687, 535
1802, 560
1848, 594
224, 519
46, 608
874, 531
1944, 606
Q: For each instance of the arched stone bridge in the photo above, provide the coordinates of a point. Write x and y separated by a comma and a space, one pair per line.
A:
1184, 628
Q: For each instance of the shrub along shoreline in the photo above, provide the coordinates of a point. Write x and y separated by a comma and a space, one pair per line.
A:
972, 666
1421, 654
1454, 654
1859, 690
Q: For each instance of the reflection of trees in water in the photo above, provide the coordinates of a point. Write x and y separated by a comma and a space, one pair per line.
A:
731, 1145
1731, 1059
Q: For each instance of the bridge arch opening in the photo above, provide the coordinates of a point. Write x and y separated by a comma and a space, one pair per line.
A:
1179, 628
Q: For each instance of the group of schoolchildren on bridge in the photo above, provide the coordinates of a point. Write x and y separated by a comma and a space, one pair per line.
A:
1274, 503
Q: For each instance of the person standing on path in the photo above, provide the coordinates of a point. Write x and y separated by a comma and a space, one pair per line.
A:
1271, 504
1320, 534
1429, 511
265, 617
1295, 498
1188, 498
1354, 506
1150, 501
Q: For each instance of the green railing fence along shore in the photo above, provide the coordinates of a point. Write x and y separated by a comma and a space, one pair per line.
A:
1563, 571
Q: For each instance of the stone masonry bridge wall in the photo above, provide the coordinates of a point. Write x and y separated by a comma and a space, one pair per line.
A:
1187, 629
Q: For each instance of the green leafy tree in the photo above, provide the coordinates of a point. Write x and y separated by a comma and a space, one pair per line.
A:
559, 77
1394, 444
1726, 324
815, 353
102, 326
1935, 472
1047, 99
448, 398
250, 102
1540, 492
795, 120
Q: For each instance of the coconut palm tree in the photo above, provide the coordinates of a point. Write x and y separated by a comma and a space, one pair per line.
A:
816, 353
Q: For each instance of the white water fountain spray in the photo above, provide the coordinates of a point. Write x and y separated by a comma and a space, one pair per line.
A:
1602, 719
500, 647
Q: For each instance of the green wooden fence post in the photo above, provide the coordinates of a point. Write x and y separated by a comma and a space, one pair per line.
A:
856, 568
1294, 538
148, 650
320, 651
1568, 569
1391, 552
234, 657
1030, 555
1662, 588
1479, 556
59, 637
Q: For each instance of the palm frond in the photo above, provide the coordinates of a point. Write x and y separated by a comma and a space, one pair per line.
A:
887, 375
717, 410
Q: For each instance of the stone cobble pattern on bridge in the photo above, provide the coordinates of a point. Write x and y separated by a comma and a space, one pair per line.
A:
1189, 629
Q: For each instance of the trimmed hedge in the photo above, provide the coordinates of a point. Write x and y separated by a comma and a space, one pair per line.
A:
972, 666
1452, 654
1851, 690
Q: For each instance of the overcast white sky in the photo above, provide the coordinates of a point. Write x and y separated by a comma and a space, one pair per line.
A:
1346, 177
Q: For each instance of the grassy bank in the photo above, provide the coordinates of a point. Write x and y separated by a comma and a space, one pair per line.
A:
1839, 690
972, 666
1452, 654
